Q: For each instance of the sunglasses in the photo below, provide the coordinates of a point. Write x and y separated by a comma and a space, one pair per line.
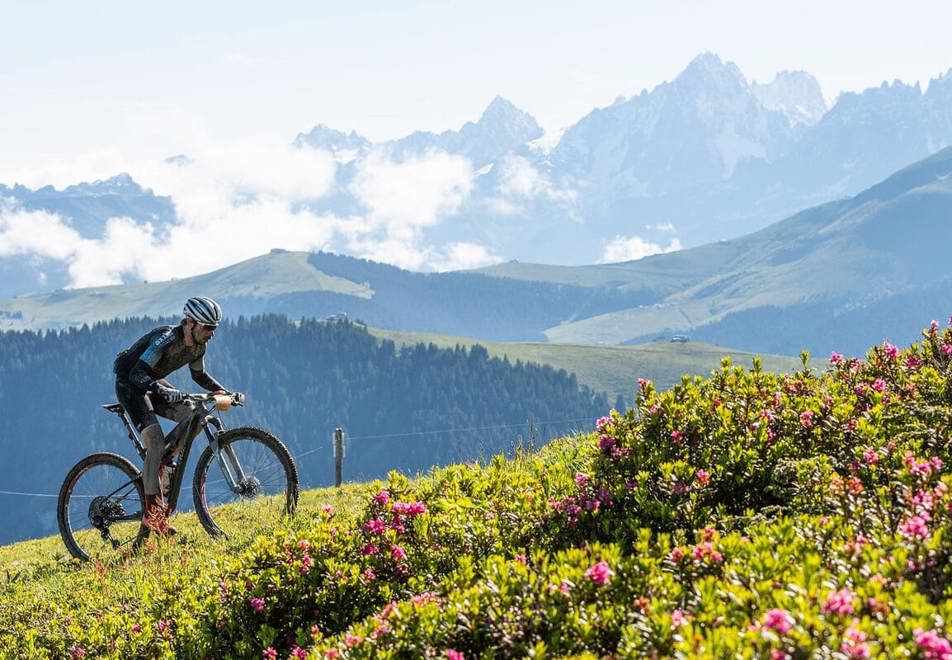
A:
209, 328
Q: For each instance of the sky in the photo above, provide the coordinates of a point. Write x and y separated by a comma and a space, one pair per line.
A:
92, 89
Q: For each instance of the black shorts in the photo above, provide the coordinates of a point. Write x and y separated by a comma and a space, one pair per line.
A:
142, 407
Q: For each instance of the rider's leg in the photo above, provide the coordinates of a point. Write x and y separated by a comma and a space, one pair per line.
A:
155, 447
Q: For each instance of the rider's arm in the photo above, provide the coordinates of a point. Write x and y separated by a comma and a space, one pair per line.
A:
140, 376
202, 378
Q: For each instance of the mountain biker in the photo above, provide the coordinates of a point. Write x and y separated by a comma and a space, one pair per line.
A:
143, 391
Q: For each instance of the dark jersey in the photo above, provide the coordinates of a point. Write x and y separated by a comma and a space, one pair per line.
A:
157, 354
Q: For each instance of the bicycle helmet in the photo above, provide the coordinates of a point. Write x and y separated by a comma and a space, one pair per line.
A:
203, 310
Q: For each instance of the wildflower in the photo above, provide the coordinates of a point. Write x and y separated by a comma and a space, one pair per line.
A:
676, 436
933, 645
382, 498
915, 527
327, 510
601, 423
779, 620
934, 325
946, 348
870, 457
375, 526
703, 478
581, 479
643, 383
890, 351
77, 652
331, 654
854, 644
397, 553
605, 442
678, 618
417, 508
257, 604
806, 419
380, 631
600, 573
913, 362
137, 628
298, 652
676, 555
453, 655
369, 549
879, 385
369, 575
306, 562
835, 358
564, 587
164, 624
521, 558
269, 654
354, 640
839, 602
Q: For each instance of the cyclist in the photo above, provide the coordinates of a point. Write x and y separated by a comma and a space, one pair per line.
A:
143, 391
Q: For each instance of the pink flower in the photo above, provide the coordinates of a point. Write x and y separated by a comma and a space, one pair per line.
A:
397, 553
934, 325
946, 348
854, 644
581, 479
327, 510
298, 652
164, 624
913, 362
835, 358
600, 573
933, 645
678, 618
369, 549
306, 562
879, 385
605, 442
676, 436
703, 478
521, 558
779, 620
257, 604
269, 654
839, 602
382, 498
806, 419
77, 652
915, 527
453, 655
369, 575
601, 423
643, 383
375, 526
870, 457
676, 555
353, 640
417, 508
331, 654
890, 351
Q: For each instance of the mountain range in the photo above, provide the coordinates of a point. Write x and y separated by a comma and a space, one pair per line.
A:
841, 275
706, 156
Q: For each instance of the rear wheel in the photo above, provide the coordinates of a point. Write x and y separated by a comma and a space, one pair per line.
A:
100, 507
252, 480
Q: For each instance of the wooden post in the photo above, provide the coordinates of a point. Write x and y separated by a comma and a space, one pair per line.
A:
338, 456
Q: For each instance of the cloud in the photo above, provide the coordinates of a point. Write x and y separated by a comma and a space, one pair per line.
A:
237, 201
464, 256
518, 179
408, 196
629, 248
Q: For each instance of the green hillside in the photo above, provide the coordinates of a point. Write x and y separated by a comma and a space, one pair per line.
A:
611, 369
749, 514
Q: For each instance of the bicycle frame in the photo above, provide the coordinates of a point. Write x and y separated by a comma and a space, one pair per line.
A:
202, 407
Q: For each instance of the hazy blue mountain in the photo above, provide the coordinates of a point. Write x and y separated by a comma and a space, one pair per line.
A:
324, 137
795, 93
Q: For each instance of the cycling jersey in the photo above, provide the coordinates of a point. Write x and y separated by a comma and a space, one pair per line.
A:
144, 365
157, 354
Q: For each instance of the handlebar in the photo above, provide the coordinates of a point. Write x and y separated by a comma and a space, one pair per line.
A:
221, 401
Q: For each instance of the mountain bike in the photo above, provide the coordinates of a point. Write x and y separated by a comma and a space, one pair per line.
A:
245, 475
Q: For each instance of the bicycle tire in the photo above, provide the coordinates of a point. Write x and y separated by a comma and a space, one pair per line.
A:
262, 456
87, 542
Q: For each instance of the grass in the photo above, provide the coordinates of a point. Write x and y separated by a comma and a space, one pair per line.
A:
606, 368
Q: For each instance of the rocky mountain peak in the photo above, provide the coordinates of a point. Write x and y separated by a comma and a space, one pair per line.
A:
325, 137
797, 94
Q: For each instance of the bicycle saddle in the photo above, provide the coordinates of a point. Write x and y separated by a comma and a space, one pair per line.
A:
113, 407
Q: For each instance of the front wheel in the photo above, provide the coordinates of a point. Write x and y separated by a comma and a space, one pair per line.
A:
100, 507
251, 480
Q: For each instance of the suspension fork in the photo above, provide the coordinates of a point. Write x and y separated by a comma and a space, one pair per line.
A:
234, 474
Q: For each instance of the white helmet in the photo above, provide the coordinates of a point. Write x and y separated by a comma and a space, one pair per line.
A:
203, 310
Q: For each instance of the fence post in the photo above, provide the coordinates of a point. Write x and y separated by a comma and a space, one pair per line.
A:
338, 456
